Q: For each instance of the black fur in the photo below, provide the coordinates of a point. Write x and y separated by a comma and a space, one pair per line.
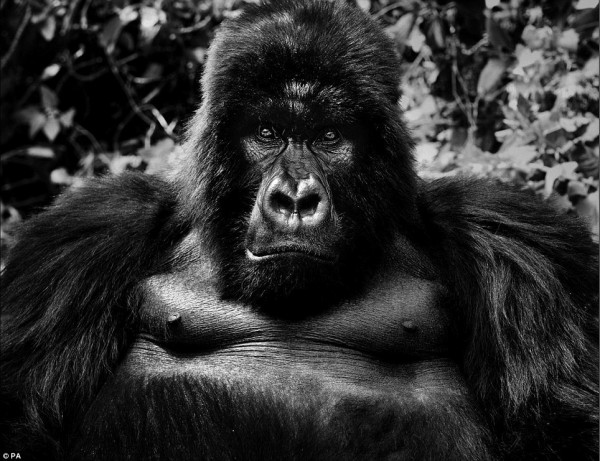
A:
69, 300
243, 421
521, 281
525, 284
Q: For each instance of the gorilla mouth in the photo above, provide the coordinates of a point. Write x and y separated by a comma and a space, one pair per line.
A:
290, 250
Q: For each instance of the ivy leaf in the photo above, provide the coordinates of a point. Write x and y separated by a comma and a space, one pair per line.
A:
51, 128
32, 117
50, 71
66, 118
48, 29
40, 152
490, 76
49, 98
568, 40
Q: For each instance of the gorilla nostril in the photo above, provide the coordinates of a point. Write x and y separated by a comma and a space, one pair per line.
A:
307, 206
281, 203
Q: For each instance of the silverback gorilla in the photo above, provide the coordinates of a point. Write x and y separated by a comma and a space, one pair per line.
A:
295, 291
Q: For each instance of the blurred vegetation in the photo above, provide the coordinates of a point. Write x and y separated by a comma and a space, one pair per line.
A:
507, 89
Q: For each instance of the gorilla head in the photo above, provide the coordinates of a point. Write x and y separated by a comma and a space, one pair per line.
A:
305, 165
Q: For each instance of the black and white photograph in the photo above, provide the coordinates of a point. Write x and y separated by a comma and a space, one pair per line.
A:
320, 230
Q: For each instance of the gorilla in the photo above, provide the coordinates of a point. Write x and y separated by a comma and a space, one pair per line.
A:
294, 291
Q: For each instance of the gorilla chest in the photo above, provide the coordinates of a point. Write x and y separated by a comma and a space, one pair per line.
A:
400, 319
368, 379
385, 338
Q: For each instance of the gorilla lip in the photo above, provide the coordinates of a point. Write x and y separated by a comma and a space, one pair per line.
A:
288, 250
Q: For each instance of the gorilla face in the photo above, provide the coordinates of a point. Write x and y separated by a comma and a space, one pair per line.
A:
306, 164
301, 228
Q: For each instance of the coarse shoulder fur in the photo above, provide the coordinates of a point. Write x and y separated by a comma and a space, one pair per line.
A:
524, 279
69, 299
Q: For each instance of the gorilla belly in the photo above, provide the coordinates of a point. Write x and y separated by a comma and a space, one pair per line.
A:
211, 379
280, 401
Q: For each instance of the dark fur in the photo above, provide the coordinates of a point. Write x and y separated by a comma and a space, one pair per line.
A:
525, 286
68, 298
522, 278
359, 86
246, 422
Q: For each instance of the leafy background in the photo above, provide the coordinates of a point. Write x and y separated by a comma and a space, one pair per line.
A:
502, 89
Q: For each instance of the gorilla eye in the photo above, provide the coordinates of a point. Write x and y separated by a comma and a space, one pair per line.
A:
329, 136
266, 133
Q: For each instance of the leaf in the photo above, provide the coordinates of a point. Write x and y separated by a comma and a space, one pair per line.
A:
591, 67
586, 4
497, 36
48, 29
490, 76
528, 57
536, 39
161, 149
32, 117
400, 31
51, 128
592, 131
199, 54
121, 163
568, 40
364, 5
110, 33
128, 14
524, 107
555, 137
426, 152
49, 97
40, 152
587, 159
429, 106
416, 40
66, 118
50, 71
572, 124
151, 20
61, 176
519, 155
153, 71
576, 189
562, 170
436, 34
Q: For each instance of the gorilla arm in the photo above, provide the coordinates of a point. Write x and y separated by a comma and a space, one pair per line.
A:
525, 283
68, 298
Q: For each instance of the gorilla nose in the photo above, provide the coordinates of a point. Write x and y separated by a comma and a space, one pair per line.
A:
294, 203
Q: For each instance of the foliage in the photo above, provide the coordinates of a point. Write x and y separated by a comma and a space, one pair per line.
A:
507, 89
